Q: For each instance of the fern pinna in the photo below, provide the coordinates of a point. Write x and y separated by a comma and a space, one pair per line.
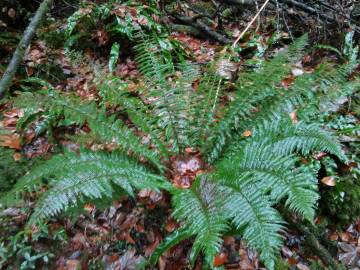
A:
249, 149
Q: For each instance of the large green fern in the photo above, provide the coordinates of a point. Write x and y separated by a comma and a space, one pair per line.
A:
247, 176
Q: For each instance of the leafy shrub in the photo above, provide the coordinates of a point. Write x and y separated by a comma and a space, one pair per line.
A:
250, 149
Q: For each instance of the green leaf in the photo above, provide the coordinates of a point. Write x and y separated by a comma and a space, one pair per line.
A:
114, 56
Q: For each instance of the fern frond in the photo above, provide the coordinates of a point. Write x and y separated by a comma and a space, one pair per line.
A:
286, 138
89, 175
250, 210
152, 63
115, 92
169, 90
252, 89
275, 174
105, 128
200, 210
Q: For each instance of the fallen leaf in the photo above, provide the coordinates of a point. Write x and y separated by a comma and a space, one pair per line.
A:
287, 81
170, 225
102, 37
350, 254
344, 236
320, 155
11, 141
302, 266
89, 207
142, 20
247, 133
150, 248
71, 265
328, 181
220, 259
17, 156
128, 261
334, 236
182, 181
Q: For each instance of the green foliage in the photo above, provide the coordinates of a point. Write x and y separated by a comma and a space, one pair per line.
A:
10, 170
17, 250
340, 203
85, 176
251, 174
118, 20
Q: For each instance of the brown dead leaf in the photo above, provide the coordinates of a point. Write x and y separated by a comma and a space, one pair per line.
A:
102, 37
320, 155
89, 207
11, 141
287, 81
247, 133
220, 259
306, 59
128, 261
13, 113
334, 236
17, 156
182, 181
142, 20
171, 225
156, 240
328, 181
10, 122
70, 265
79, 241
344, 236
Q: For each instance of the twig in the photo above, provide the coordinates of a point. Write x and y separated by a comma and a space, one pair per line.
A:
250, 23
23, 44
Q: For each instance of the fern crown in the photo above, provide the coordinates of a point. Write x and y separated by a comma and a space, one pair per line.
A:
178, 106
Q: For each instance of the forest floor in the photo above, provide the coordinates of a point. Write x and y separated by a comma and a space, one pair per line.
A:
123, 235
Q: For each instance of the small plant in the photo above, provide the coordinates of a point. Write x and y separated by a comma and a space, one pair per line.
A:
244, 157
19, 249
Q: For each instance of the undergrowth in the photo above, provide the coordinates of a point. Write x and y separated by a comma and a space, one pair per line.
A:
250, 149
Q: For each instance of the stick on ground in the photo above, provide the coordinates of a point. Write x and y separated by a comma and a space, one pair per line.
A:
23, 44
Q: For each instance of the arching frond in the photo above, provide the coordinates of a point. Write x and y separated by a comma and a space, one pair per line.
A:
89, 175
273, 174
200, 209
250, 210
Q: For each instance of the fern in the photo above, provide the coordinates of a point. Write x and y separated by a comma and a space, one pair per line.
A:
200, 209
177, 107
260, 222
285, 137
84, 176
104, 128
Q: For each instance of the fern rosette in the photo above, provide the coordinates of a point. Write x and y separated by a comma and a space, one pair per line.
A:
244, 177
